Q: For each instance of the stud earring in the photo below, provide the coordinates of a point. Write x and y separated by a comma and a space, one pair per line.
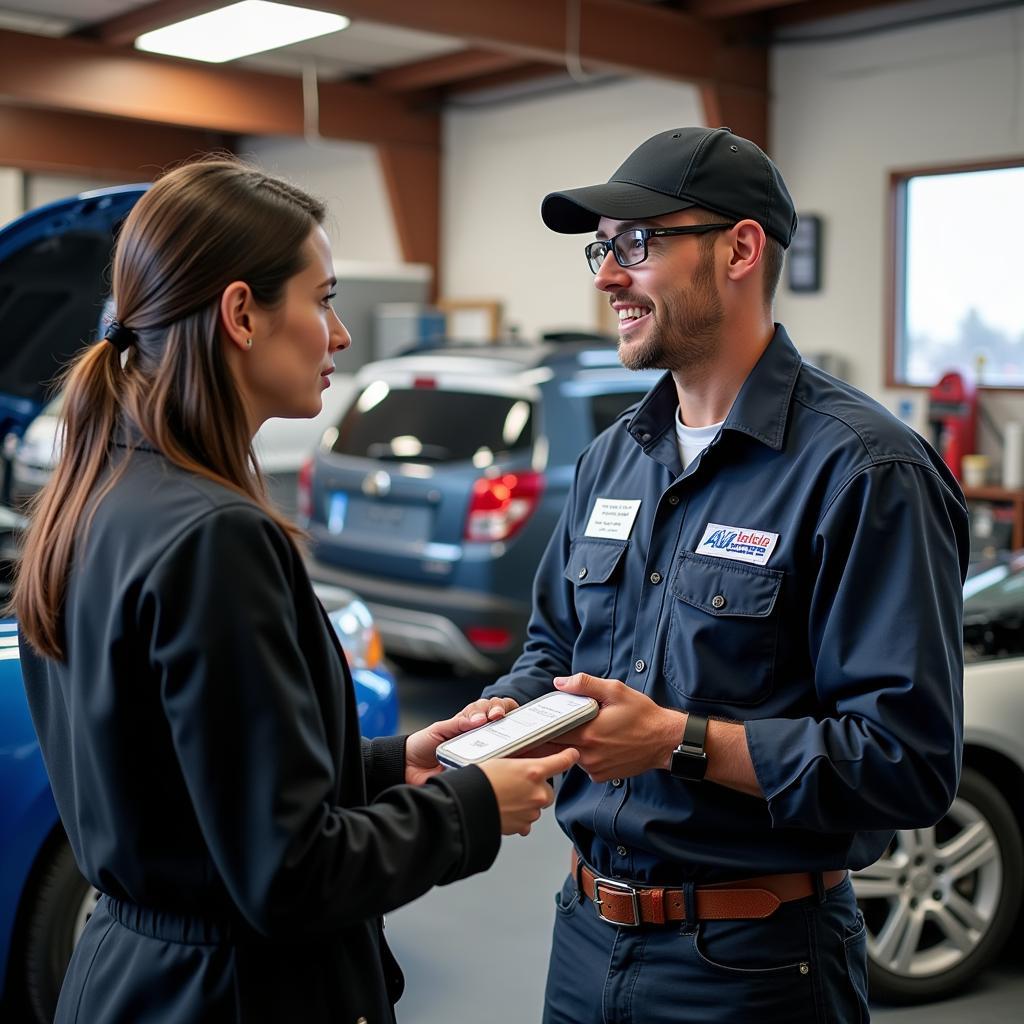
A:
248, 342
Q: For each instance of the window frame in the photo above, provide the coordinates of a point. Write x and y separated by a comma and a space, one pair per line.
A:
896, 265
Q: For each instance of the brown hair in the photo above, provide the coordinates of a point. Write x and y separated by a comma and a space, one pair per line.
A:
772, 258
200, 227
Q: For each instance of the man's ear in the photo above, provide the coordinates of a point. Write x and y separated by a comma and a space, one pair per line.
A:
236, 317
747, 249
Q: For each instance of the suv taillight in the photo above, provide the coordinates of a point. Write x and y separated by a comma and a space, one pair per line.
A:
304, 497
500, 505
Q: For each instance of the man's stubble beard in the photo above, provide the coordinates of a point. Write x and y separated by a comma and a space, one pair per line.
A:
688, 336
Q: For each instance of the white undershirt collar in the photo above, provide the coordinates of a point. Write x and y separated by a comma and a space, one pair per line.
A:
693, 440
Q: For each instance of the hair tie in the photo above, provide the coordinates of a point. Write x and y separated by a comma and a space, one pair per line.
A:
119, 336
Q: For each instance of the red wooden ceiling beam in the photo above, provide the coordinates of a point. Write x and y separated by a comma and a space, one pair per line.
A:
87, 77
53, 141
444, 70
637, 39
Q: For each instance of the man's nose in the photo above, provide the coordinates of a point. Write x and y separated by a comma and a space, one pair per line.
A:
611, 276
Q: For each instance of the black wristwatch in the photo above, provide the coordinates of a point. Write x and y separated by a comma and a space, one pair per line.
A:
688, 759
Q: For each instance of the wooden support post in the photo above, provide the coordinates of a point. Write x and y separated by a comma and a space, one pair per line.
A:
413, 178
742, 110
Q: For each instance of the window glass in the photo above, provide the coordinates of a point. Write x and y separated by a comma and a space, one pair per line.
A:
994, 612
605, 408
435, 426
959, 304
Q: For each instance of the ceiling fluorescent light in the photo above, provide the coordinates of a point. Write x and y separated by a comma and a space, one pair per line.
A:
239, 30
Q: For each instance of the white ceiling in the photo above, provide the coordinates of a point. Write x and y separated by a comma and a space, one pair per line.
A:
362, 48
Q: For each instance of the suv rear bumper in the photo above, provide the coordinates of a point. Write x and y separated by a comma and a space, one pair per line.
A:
417, 621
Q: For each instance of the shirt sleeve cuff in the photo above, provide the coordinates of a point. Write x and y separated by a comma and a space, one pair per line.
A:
521, 688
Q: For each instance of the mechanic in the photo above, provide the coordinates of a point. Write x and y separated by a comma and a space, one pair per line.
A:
758, 574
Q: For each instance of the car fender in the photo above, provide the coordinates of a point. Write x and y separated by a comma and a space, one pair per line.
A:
28, 814
994, 709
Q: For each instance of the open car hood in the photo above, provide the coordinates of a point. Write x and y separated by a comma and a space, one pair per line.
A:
54, 278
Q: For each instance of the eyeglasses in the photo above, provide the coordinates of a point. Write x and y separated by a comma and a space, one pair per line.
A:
630, 247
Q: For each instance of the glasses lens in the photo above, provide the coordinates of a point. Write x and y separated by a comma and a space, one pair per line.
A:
595, 255
630, 247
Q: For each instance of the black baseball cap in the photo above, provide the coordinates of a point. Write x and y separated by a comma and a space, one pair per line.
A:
683, 167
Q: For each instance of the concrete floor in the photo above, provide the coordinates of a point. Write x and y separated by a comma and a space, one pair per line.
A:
477, 950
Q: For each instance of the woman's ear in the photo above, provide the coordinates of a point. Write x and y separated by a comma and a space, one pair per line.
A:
237, 314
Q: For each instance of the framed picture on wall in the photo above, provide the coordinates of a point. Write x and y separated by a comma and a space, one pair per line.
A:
803, 261
472, 319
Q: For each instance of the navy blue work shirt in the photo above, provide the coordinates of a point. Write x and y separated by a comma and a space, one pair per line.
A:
803, 576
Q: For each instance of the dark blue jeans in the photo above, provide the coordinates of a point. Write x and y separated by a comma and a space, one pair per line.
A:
806, 964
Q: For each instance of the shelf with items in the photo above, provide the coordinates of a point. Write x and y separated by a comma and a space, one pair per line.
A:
1004, 506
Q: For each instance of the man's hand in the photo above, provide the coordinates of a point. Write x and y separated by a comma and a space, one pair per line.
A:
630, 735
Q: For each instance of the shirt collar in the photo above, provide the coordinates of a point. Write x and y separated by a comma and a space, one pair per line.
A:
761, 408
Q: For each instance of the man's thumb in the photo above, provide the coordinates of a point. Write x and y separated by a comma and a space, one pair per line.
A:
581, 683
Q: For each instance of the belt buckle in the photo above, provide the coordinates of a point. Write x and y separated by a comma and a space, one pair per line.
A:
613, 883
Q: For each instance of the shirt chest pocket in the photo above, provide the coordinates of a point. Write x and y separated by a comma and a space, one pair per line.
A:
594, 570
723, 630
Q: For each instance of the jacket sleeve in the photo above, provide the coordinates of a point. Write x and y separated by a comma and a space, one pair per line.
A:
256, 757
553, 627
885, 637
383, 763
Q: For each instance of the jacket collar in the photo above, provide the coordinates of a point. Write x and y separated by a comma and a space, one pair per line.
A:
761, 409
127, 434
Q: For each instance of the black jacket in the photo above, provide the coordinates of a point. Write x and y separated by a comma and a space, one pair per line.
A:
203, 747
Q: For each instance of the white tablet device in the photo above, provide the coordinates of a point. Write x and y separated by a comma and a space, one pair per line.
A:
528, 726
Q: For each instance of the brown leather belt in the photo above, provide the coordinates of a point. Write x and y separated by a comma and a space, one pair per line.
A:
624, 904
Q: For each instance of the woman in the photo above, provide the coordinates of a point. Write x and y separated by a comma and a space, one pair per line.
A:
195, 712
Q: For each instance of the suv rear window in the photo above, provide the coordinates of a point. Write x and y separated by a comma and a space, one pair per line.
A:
605, 409
426, 425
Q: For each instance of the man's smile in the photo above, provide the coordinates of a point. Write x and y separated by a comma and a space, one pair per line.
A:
630, 315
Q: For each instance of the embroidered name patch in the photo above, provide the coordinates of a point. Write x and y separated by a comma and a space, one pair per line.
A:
738, 542
613, 518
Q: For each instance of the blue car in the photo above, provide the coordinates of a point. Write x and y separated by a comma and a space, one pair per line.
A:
53, 263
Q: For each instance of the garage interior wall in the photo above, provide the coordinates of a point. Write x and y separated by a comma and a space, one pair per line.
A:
12, 194
846, 114
501, 160
347, 176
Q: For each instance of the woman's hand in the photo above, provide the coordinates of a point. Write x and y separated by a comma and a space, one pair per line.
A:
420, 757
486, 709
521, 787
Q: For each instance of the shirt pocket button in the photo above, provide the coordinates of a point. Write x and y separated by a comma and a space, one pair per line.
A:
718, 602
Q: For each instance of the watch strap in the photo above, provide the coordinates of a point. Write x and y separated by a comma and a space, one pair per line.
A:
694, 732
689, 761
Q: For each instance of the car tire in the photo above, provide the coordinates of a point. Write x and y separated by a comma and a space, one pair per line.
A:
941, 902
60, 904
